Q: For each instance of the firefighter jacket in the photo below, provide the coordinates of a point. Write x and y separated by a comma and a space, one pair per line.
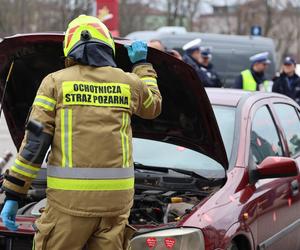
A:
86, 113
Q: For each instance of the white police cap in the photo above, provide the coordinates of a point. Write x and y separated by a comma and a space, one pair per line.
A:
260, 58
194, 44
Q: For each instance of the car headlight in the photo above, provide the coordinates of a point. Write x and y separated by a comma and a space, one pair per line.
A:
175, 238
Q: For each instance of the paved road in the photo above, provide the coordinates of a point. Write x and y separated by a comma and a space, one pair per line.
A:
6, 143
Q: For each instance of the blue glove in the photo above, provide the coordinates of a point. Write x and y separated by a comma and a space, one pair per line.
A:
137, 51
9, 213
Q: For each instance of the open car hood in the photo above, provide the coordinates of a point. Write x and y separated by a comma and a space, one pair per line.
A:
187, 118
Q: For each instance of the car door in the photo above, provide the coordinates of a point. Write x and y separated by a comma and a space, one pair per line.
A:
288, 117
273, 196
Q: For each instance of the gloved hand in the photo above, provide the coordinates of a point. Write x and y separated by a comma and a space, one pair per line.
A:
137, 51
9, 213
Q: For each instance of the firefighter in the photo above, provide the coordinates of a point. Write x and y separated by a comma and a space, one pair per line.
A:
254, 78
85, 110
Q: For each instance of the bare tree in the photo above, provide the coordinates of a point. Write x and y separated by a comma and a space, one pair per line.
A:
191, 9
39, 15
277, 18
172, 11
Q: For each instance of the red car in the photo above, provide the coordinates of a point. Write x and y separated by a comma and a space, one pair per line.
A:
196, 187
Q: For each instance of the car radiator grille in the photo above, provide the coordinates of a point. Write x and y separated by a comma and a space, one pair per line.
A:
16, 243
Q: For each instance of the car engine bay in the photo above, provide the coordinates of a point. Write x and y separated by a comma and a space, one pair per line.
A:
160, 197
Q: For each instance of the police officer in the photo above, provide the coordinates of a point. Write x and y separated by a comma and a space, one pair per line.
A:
254, 78
192, 56
208, 67
85, 110
288, 83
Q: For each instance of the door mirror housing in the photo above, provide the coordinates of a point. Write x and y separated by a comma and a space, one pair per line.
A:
274, 167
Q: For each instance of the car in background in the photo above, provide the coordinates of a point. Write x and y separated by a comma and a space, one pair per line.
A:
218, 169
231, 53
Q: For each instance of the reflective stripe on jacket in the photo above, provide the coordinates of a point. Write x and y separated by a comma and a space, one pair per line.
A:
249, 82
87, 110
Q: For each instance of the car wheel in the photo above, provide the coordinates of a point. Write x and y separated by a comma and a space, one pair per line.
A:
232, 246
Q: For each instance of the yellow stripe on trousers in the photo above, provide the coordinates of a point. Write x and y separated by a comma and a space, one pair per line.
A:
66, 137
124, 139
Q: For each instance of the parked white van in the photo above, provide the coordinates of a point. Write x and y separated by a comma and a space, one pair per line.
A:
230, 52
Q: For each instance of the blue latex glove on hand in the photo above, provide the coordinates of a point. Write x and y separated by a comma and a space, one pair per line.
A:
9, 213
137, 51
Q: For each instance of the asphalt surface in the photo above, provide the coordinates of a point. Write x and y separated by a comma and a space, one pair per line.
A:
6, 143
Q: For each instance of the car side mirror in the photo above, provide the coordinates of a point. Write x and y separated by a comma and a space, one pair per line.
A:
274, 167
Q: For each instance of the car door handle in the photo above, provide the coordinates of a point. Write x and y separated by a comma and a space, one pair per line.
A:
295, 187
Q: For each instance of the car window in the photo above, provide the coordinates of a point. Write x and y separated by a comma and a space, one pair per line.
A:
163, 154
225, 118
264, 136
291, 125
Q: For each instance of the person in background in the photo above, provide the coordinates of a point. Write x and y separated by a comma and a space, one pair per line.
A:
208, 67
192, 56
174, 53
288, 83
156, 44
254, 78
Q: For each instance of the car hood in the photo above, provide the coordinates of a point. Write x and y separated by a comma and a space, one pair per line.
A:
187, 118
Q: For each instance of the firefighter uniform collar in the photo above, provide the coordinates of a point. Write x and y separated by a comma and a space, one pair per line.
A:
93, 54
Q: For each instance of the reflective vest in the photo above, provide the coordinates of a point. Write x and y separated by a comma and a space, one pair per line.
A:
250, 84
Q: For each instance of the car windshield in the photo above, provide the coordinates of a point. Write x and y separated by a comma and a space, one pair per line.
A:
162, 154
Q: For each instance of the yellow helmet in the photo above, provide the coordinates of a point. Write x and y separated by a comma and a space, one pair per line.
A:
85, 29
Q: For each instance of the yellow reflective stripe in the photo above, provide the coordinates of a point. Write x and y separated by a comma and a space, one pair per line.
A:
66, 137
44, 102
27, 166
46, 98
90, 185
149, 81
124, 139
25, 169
62, 126
149, 100
70, 156
43, 105
19, 171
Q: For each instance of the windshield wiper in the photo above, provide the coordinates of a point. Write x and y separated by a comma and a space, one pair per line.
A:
138, 165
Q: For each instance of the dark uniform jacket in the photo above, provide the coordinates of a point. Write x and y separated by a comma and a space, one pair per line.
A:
212, 75
289, 86
201, 74
258, 77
